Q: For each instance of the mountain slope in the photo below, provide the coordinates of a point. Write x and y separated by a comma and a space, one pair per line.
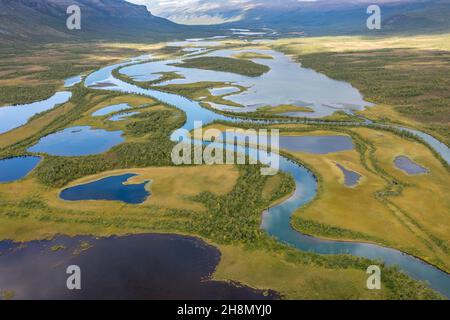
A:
313, 17
349, 16
45, 20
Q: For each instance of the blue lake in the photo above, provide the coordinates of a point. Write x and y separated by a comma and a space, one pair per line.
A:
13, 169
110, 109
409, 166
316, 144
78, 141
351, 178
110, 188
12, 117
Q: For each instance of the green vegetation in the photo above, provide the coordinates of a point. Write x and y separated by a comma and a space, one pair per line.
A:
252, 55
232, 219
7, 294
408, 74
25, 94
154, 121
32, 73
58, 248
312, 227
238, 66
270, 110
415, 82
31, 209
383, 194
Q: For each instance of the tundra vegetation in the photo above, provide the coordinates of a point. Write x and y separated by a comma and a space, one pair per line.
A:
239, 66
406, 77
223, 205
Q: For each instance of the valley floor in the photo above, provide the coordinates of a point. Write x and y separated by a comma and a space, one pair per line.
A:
407, 79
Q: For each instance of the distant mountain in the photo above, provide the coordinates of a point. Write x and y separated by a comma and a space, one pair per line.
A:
45, 20
312, 17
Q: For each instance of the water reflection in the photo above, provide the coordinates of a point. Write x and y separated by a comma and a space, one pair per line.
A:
135, 267
78, 141
13, 169
12, 117
409, 166
110, 188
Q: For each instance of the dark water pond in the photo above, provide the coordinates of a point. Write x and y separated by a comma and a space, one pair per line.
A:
78, 141
409, 166
133, 267
351, 178
316, 144
13, 169
110, 188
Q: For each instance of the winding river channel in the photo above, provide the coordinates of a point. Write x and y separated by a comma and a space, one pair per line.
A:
277, 220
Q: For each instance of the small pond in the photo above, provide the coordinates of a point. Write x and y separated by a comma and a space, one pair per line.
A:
150, 266
13, 169
110, 188
316, 144
78, 141
410, 167
351, 178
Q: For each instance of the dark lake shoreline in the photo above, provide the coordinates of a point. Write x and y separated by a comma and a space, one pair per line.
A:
138, 267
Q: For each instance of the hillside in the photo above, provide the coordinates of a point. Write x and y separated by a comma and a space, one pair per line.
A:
45, 20
321, 17
349, 17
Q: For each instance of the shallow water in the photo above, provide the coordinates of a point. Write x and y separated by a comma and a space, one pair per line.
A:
286, 83
134, 267
351, 178
110, 188
409, 166
12, 117
122, 116
78, 141
316, 144
70, 82
14, 169
111, 109
223, 91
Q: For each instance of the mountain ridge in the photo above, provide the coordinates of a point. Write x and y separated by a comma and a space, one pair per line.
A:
45, 20
321, 17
